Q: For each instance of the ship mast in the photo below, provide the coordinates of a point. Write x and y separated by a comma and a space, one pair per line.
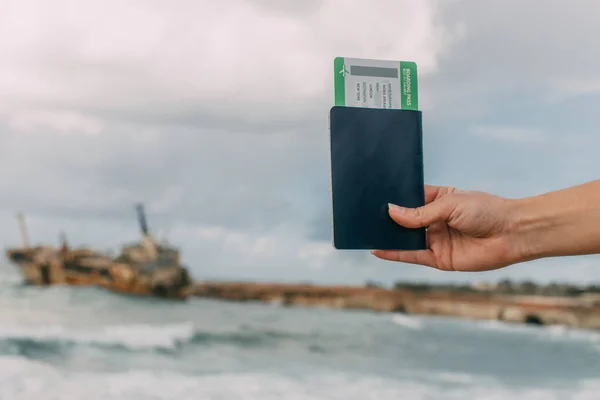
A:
147, 240
64, 246
23, 229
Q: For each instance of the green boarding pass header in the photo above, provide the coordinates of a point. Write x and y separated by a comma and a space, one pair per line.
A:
376, 83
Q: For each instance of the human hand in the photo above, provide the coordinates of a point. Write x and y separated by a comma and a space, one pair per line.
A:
467, 231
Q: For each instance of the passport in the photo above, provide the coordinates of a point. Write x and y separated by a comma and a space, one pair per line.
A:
376, 159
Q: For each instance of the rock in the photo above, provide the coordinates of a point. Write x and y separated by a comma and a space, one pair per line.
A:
584, 312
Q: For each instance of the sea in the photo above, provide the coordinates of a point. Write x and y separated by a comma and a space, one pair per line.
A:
87, 343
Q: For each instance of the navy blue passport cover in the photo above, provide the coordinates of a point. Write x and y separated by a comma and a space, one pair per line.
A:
376, 159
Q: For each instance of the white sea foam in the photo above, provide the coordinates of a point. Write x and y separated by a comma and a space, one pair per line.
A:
407, 321
22, 379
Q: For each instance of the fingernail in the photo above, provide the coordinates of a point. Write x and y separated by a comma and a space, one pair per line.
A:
395, 208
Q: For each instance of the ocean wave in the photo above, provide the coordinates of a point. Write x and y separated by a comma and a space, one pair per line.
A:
130, 337
549, 332
26, 379
133, 337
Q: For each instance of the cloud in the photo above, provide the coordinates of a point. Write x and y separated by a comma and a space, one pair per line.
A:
509, 50
248, 62
58, 122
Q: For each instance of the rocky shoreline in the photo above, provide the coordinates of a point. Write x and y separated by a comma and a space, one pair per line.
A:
579, 312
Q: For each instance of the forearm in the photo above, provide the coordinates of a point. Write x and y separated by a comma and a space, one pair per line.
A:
560, 223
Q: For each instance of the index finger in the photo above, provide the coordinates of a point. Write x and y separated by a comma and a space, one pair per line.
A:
431, 192
420, 257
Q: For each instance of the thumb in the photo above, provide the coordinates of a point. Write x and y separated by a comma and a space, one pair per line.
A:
436, 211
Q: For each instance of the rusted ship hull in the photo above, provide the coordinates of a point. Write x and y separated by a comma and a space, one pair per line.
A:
39, 266
32, 275
146, 268
50, 275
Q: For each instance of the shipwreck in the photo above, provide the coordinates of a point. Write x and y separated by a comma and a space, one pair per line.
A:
144, 268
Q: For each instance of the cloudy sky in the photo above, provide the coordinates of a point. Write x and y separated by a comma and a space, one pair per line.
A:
214, 114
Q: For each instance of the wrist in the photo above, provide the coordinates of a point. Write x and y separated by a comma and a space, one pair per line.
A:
561, 223
530, 228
